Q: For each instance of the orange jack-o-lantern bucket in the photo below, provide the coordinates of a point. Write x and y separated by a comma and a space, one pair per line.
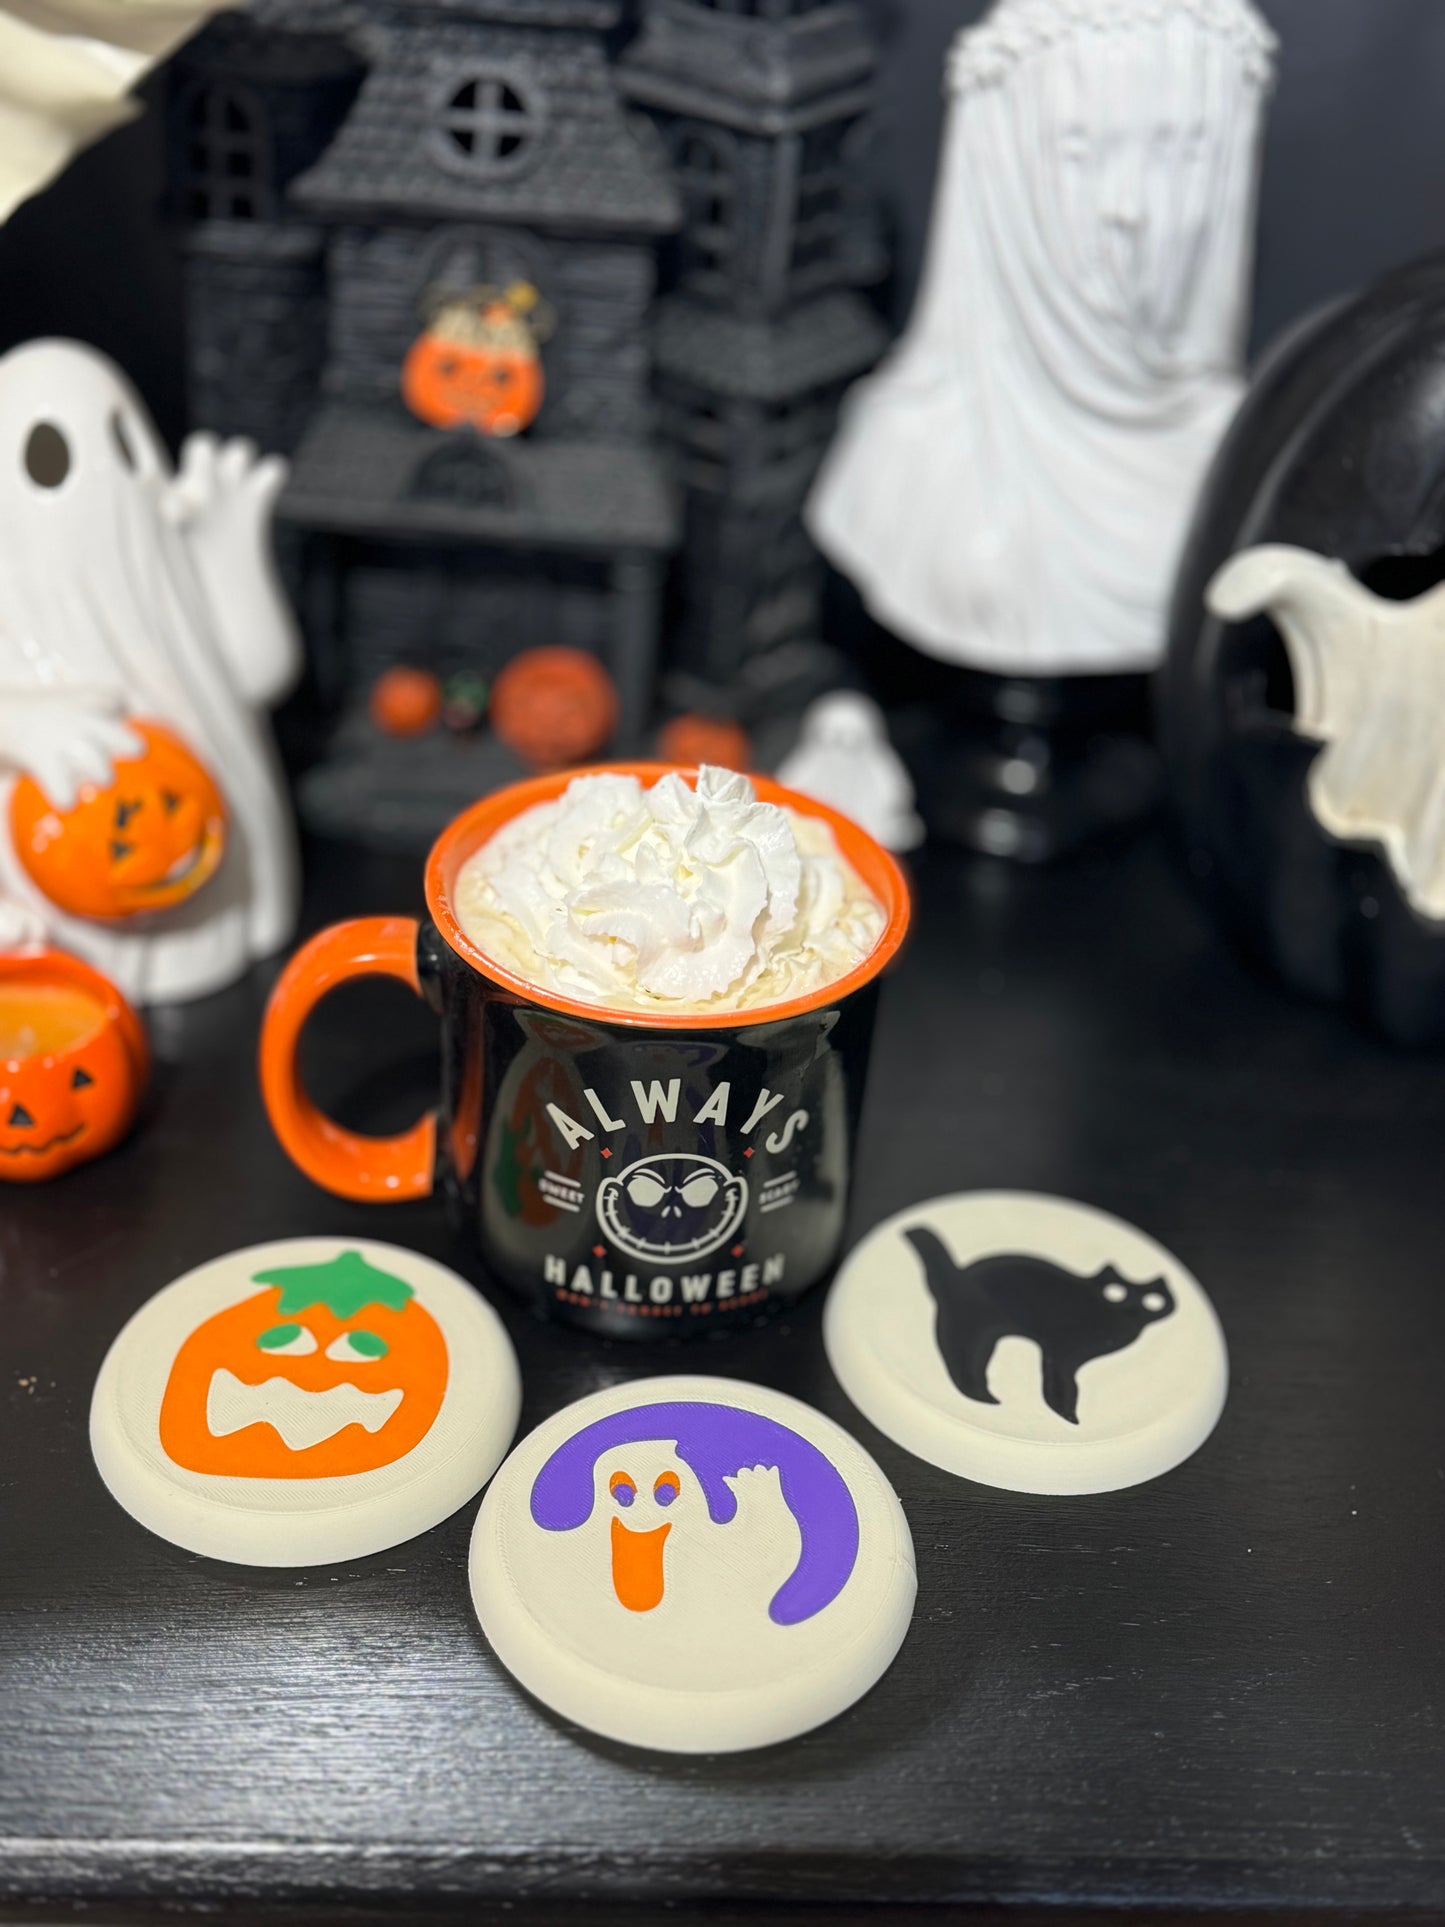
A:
73, 1063
477, 365
147, 841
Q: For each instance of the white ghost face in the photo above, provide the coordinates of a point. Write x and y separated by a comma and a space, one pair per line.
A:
71, 427
1138, 149
845, 721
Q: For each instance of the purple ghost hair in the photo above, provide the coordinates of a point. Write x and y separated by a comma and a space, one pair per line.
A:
715, 1441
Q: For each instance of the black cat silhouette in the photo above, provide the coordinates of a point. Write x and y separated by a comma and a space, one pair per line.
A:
1069, 1317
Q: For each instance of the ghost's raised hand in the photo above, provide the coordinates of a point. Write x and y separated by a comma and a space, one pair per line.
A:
221, 502
223, 490
766, 1522
65, 738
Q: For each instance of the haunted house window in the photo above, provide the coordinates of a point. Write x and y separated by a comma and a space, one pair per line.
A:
462, 474
226, 171
488, 123
818, 213
708, 183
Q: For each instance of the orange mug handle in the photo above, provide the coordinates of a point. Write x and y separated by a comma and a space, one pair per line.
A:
375, 1170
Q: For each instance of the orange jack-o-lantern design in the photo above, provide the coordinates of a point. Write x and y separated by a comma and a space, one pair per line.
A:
73, 1063
146, 842
331, 1370
477, 364
553, 706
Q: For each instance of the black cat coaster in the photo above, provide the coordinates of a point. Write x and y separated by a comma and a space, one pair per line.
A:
1027, 1342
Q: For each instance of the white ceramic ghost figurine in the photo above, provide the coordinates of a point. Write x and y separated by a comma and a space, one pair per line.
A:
1369, 681
843, 758
1010, 489
128, 589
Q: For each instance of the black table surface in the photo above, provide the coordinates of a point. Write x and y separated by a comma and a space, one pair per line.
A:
1223, 1688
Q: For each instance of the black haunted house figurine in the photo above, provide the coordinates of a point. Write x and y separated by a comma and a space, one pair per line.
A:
476, 473
765, 106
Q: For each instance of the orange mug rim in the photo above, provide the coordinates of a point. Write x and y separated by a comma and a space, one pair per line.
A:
476, 825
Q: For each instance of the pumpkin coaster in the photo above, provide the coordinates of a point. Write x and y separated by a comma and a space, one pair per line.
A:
693, 1564
1027, 1342
305, 1401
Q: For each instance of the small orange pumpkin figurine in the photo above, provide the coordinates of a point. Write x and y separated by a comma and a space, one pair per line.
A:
73, 1063
477, 364
147, 842
405, 701
236, 1404
554, 706
691, 739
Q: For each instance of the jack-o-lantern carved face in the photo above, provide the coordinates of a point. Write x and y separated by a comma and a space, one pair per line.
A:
335, 1369
672, 1208
477, 364
147, 842
72, 1065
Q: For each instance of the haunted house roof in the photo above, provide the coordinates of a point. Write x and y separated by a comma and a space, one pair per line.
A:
764, 76
767, 359
461, 119
375, 472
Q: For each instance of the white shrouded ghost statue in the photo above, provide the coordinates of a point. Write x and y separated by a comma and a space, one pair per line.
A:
1010, 490
127, 589
843, 758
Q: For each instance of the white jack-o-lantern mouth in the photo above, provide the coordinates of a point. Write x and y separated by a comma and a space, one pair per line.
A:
672, 1208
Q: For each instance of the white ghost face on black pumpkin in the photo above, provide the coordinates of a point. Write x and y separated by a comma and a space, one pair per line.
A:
672, 1208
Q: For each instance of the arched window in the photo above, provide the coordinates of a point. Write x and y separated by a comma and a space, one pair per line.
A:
487, 123
462, 474
708, 182
227, 171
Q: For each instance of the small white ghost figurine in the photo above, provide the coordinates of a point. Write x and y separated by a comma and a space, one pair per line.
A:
843, 758
1011, 488
127, 589
1369, 683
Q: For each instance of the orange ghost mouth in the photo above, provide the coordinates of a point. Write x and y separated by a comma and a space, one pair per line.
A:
637, 1565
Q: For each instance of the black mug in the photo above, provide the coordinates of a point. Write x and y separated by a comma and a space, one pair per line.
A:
638, 1176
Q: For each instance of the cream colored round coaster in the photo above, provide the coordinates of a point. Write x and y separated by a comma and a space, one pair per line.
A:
693, 1564
1027, 1342
305, 1401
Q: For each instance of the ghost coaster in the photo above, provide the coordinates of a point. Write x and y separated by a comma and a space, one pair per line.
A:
305, 1401
693, 1564
1027, 1342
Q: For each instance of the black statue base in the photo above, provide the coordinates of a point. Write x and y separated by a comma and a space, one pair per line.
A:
1031, 768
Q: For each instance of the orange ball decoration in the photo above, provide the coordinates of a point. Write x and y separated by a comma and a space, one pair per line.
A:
554, 706
73, 1064
692, 739
147, 841
406, 702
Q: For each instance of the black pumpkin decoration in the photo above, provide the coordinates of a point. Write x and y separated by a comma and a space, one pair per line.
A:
1339, 448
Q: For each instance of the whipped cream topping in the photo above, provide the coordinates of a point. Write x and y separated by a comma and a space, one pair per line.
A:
668, 899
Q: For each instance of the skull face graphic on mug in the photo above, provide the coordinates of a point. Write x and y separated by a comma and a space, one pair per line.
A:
657, 992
